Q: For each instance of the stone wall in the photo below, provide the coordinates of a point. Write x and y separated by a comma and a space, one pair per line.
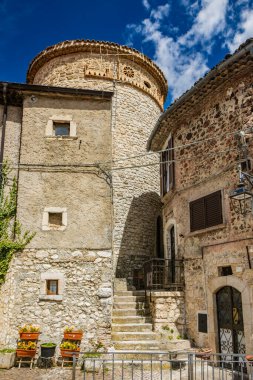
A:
206, 166
86, 297
168, 310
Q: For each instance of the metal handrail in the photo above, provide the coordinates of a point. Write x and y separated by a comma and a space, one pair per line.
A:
163, 274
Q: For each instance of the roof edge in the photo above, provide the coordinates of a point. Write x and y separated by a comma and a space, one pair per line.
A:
57, 90
247, 46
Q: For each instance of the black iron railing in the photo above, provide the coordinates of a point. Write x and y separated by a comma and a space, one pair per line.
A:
163, 274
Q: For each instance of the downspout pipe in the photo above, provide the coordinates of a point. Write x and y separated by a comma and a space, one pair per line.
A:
4, 119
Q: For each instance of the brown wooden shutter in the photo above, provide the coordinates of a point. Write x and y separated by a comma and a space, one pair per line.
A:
206, 212
213, 209
197, 214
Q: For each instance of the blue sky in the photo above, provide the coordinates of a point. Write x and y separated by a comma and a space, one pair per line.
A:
185, 37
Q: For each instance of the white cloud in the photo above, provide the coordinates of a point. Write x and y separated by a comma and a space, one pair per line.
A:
181, 69
146, 4
244, 30
160, 12
210, 21
183, 57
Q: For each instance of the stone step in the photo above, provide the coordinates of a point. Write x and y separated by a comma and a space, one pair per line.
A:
129, 312
137, 345
131, 319
128, 305
128, 293
120, 284
129, 299
138, 365
132, 336
131, 327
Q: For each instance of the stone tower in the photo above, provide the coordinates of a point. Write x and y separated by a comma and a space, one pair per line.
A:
89, 193
140, 89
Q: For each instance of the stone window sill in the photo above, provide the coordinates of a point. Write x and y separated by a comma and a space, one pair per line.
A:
46, 297
61, 137
50, 228
205, 230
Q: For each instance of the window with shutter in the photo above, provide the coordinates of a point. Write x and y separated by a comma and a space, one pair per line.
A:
167, 168
206, 212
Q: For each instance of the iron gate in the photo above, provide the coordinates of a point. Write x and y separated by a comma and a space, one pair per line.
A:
230, 321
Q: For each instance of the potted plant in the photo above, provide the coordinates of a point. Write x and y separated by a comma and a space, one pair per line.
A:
47, 350
29, 332
7, 358
92, 359
69, 349
71, 333
26, 349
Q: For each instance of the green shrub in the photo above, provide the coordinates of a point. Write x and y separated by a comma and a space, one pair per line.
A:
11, 237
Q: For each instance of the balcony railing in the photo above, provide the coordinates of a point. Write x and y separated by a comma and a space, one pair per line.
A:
163, 274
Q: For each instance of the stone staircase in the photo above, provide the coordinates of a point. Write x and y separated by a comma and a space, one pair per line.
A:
131, 321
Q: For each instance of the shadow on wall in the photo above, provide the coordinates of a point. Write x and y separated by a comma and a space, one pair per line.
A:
138, 242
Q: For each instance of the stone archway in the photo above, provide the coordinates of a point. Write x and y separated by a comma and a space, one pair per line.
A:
241, 286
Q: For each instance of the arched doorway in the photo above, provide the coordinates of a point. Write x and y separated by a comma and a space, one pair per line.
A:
230, 321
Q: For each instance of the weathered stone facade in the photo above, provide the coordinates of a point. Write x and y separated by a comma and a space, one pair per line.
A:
204, 124
111, 96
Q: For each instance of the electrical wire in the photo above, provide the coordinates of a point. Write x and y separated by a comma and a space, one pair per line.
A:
97, 166
148, 154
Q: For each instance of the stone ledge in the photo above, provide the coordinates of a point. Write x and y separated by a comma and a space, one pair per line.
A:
50, 298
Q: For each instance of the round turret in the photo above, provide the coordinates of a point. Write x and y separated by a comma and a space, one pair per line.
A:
76, 63
140, 89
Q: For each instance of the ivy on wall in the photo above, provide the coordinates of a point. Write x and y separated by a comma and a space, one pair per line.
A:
11, 237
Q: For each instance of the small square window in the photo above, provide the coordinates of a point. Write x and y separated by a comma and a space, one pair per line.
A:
202, 322
61, 129
55, 219
225, 271
52, 287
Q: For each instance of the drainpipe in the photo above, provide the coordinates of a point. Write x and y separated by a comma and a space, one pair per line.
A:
3, 127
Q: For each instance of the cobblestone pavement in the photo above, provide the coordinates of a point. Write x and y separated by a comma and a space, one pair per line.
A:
58, 373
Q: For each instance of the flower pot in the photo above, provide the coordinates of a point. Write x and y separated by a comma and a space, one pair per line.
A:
73, 335
65, 353
29, 335
47, 351
25, 353
7, 360
205, 354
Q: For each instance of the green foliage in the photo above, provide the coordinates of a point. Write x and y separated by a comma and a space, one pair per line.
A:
7, 350
11, 237
48, 345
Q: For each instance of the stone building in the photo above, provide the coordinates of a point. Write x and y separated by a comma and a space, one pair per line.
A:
205, 134
86, 106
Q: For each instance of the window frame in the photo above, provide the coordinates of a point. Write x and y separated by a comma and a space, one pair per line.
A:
49, 293
57, 124
61, 119
46, 226
167, 167
55, 276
